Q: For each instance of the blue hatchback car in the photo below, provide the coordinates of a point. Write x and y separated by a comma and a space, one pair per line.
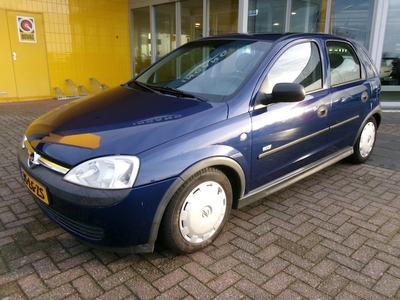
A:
217, 124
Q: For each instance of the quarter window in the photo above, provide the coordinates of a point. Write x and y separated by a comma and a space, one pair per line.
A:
367, 63
344, 65
298, 64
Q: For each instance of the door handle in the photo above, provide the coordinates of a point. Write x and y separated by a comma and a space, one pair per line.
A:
322, 111
14, 56
364, 96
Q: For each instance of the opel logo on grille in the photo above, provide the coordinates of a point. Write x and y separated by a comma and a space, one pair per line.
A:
33, 160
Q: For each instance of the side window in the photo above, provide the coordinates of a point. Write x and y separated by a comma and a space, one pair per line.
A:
367, 63
344, 64
298, 64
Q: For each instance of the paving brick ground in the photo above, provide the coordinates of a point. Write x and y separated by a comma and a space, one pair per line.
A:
332, 235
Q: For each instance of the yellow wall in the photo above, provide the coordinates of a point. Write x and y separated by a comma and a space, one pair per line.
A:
84, 39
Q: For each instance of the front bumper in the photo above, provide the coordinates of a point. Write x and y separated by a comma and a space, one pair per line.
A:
113, 220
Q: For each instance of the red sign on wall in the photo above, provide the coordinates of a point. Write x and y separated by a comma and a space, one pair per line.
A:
26, 29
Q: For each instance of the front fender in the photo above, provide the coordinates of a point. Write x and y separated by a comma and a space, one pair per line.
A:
230, 138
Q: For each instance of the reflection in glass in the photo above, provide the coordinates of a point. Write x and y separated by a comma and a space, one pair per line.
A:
390, 66
223, 16
266, 16
299, 64
353, 19
192, 20
141, 39
165, 28
208, 70
307, 16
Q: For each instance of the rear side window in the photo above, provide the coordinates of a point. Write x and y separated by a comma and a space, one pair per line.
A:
344, 64
369, 67
298, 64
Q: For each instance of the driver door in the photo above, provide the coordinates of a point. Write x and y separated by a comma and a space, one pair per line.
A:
288, 136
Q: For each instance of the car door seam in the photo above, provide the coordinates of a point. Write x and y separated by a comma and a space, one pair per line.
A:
276, 150
291, 144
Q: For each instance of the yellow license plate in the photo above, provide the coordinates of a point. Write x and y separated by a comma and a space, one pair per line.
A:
35, 187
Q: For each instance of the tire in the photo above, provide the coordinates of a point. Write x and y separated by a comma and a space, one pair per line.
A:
365, 142
197, 212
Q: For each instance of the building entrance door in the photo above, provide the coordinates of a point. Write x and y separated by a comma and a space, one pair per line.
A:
23, 57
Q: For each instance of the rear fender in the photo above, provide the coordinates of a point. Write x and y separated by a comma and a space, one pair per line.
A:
376, 113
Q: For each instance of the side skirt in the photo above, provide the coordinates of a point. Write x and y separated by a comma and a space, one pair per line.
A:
293, 177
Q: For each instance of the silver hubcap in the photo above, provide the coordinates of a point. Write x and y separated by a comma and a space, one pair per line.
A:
367, 139
202, 212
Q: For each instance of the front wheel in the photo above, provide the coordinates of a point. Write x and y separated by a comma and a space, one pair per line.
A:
365, 142
197, 212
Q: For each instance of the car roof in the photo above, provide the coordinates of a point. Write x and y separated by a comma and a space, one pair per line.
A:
276, 36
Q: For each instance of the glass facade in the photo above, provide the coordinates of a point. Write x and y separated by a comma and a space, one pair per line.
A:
350, 18
141, 38
274, 16
364, 20
307, 16
223, 17
266, 16
165, 28
353, 19
390, 65
191, 20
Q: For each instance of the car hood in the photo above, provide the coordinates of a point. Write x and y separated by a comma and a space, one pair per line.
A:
118, 121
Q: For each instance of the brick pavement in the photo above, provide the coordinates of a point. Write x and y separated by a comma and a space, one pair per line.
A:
332, 235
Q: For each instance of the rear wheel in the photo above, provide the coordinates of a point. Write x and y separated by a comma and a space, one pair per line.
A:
197, 212
365, 142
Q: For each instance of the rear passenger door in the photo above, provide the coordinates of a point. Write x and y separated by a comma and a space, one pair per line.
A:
349, 95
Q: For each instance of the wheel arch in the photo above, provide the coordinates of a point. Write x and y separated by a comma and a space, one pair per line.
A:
378, 118
232, 170
376, 114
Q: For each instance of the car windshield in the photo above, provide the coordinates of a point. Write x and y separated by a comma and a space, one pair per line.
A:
211, 70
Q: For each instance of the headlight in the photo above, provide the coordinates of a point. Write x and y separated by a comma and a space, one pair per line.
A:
111, 172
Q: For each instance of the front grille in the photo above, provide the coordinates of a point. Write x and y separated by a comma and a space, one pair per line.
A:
88, 231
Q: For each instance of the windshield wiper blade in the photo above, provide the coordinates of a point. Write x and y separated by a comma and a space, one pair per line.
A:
177, 92
167, 90
145, 86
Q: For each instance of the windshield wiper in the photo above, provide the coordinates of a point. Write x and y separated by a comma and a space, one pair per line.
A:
176, 92
145, 86
167, 90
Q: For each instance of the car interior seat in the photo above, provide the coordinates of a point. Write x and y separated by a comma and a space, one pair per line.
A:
336, 61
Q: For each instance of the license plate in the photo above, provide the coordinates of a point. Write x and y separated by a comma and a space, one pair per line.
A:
35, 187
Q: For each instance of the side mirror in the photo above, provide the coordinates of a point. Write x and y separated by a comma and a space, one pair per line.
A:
283, 92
